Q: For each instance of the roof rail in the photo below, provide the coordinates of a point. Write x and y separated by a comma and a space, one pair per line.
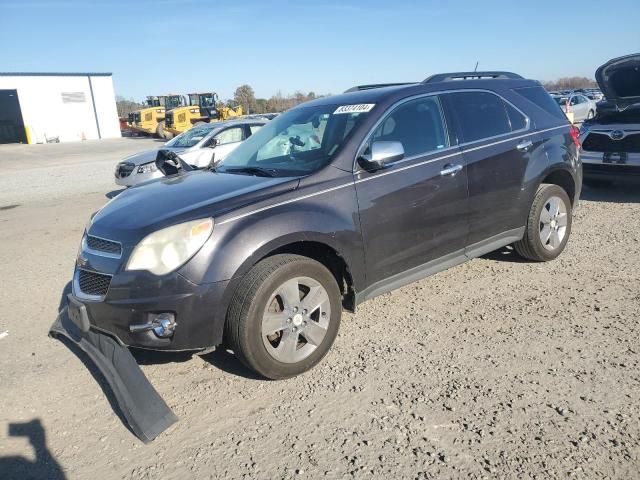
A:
447, 77
357, 88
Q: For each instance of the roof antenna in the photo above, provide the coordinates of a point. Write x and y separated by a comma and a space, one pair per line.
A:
476, 69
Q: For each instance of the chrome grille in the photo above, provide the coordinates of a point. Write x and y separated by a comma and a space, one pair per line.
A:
601, 142
103, 245
93, 283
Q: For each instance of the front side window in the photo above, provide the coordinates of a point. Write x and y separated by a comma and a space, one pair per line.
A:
480, 115
230, 135
298, 142
417, 124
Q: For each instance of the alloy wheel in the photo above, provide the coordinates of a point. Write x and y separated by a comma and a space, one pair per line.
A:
553, 223
296, 319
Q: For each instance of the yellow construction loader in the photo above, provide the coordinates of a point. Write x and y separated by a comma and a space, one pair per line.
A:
202, 108
151, 120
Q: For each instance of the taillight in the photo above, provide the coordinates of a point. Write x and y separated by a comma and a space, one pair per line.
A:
575, 135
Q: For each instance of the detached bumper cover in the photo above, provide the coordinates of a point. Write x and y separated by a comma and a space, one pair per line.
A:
145, 411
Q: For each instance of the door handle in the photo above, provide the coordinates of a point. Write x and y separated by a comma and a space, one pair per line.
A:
525, 146
450, 169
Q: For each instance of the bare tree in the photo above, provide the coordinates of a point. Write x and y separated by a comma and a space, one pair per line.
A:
569, 83
125, 107
245, 96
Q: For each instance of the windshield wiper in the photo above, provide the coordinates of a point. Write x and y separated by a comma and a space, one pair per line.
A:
257, 171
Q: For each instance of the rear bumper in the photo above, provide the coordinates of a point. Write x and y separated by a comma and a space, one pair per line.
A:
135, 299
604, 165
143, 408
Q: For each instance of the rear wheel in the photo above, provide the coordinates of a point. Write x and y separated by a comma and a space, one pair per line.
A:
284, 316
548, 225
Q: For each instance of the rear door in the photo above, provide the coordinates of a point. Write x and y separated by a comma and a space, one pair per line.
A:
414, 210
497, 142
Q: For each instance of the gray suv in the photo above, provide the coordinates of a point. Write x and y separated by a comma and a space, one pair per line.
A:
328, 205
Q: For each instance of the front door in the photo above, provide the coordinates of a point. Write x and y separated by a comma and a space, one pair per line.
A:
413, 211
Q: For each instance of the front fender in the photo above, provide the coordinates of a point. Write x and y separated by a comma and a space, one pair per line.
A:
236, 245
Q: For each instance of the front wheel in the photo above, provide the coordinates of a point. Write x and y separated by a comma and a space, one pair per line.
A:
590, 115
548, 225
284, 316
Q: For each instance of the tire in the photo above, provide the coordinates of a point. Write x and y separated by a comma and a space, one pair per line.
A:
590, 115
160, 130
555, 227
162, 133
264, 301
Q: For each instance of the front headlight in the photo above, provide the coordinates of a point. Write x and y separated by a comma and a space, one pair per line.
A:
165, 250
147, 167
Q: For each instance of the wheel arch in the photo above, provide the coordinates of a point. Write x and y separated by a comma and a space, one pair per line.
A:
317, 248
564, 179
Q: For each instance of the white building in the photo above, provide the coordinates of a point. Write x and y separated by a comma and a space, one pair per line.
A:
41, 107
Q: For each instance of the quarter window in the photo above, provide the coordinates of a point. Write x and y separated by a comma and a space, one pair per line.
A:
481, 115
518, 121
417, 124
230, 135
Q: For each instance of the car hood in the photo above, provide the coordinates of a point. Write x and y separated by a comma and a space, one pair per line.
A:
619, 80
167, 201
150, 155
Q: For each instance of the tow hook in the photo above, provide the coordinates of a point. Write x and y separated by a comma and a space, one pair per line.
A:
163, 325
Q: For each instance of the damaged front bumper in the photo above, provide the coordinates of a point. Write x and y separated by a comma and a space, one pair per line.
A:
144, 410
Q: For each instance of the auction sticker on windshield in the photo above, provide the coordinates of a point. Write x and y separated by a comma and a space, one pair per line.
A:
361, 108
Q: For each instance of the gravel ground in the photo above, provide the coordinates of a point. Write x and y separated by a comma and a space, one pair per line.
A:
495, 368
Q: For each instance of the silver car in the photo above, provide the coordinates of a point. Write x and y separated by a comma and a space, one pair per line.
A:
199, 146
580, 105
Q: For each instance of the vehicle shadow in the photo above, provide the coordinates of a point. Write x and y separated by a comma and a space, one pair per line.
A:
226, 361
505, 254
44, 465
144, 137
615, 193
114, 193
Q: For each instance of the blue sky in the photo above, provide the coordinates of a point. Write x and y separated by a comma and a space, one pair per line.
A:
158, 46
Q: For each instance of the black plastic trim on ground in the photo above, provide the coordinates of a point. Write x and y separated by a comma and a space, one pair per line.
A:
143, 408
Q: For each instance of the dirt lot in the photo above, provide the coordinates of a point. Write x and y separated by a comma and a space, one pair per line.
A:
496, 368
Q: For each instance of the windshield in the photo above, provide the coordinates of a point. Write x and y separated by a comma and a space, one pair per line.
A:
172, 102
189, 138
298, 142
561, 100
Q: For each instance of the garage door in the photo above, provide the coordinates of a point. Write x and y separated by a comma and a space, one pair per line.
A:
11, 124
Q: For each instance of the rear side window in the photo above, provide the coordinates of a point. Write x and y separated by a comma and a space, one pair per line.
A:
542, 99
480, 115
417, 124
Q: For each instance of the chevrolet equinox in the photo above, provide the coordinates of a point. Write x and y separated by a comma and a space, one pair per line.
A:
330, 204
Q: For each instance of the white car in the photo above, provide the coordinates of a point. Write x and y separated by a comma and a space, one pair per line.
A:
580, 105
199, 146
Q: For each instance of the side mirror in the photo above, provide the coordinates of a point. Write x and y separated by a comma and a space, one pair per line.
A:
169, 163
214, 143
382, 153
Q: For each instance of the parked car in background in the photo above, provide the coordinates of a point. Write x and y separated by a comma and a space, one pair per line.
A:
578, 104
611, 140
198, 146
